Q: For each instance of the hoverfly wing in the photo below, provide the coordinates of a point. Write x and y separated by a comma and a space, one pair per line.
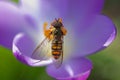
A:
58, 62
42, 51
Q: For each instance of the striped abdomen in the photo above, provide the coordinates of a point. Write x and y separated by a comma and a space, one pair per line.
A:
56, 49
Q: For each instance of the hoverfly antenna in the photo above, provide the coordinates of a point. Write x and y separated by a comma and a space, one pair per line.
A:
60, 20
56, 19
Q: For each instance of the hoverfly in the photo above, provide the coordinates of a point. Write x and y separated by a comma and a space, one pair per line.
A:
52, 45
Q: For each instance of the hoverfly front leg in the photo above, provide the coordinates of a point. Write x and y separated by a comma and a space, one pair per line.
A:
64, 30
47, 32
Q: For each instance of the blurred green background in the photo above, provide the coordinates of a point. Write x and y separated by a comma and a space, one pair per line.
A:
106, 63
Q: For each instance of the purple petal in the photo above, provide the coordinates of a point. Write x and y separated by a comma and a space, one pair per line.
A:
30, 7
74, 69
11, 22
68, 9
98, 33
23, 46
45, 10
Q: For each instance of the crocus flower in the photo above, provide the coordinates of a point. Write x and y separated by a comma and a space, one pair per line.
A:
88, 32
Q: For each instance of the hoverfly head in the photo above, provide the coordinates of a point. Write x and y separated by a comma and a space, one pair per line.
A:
57, 23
